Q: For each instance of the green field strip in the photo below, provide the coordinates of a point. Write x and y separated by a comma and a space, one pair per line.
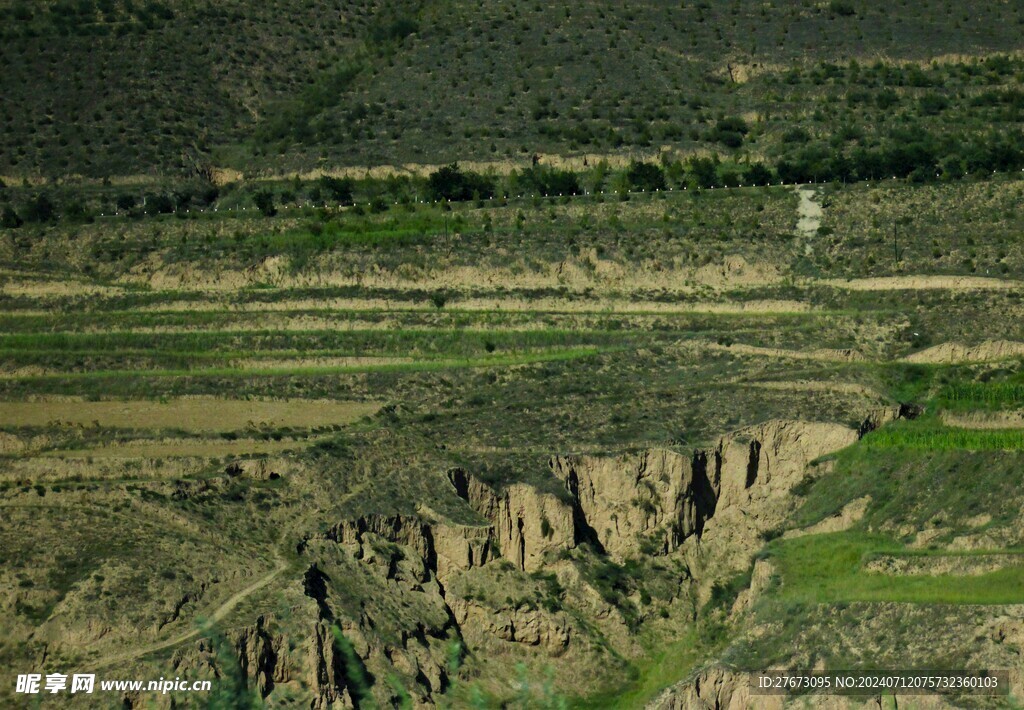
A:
829, 568
423, 365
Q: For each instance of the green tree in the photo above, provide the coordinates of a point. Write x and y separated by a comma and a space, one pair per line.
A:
10, 219
645, 176
337, 189
704, 171
264, 200
39, 209
451, 183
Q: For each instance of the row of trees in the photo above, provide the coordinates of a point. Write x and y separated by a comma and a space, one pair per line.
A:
917, 155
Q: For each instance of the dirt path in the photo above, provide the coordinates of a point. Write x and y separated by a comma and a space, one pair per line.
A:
216, 616
809, 213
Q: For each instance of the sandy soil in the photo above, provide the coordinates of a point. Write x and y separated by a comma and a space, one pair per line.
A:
853, 388
936, 565
987, 351
820, 354
313, 362
809, 213
544, 305
919, 283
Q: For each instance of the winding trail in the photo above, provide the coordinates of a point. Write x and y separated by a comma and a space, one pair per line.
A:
217, 615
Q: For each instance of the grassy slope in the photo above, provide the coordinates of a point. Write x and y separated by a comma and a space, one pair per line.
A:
82, 94
828, 569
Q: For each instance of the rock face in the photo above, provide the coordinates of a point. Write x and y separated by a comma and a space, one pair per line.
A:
715, 688
662, 498
263, 656
774, 455
986, 351
527, 523
386, 581
533, 627
620, 501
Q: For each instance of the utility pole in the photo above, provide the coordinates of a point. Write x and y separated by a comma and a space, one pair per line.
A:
895, 244
895, 237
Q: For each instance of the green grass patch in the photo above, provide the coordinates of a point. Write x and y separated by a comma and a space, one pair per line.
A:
964, 396
917, 485
666, 666
931, 435
830, 568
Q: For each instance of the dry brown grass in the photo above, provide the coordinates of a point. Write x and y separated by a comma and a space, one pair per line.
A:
193, 414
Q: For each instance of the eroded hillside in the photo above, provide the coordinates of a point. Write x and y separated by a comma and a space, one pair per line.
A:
619, 451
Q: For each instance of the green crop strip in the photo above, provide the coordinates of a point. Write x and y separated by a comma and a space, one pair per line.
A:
982, 395
421, 365
830, 568
930, 435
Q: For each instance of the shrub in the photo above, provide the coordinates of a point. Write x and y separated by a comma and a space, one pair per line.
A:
704, 171
264, 200
729, 132
450, 183
10, 219
843, 8
338, 189
159, 204
757, 174
549, 181
932, 104
40, 209
645, 176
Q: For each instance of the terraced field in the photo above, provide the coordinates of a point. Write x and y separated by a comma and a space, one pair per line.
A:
301, 420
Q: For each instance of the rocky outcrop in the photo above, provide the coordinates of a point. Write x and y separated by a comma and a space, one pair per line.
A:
773, 456
444, 546
402, 621
530, 626
713, 505
330, 681
528, 523
621, 501
715, 688
261, 650
262, 655
625, 503
458, 548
